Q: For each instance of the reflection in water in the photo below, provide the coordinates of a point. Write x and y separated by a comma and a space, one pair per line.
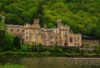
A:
53, 62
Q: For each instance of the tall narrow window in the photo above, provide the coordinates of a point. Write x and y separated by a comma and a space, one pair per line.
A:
11, 29
26, 37
71, 39
17, 30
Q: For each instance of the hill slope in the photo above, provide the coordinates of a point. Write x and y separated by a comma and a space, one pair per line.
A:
83, 16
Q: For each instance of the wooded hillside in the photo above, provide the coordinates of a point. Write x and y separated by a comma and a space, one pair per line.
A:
83, 16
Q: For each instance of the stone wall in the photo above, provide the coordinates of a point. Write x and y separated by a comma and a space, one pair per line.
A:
90, 42
33, 34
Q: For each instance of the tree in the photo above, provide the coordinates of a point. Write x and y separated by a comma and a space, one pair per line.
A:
81, 15
2, 33
2, 38
26, 48
8, 42
16, 42
95, 32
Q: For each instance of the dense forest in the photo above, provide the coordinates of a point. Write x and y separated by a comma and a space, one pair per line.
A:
83, 16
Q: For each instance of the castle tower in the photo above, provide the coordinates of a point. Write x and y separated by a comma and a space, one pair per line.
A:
36, 23
59, 23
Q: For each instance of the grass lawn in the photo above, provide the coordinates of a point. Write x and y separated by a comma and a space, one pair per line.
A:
12, 66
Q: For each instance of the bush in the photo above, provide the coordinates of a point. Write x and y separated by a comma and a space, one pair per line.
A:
46, 53
12, 66
25, 48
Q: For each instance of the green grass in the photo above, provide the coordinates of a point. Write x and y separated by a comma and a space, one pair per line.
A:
12, 66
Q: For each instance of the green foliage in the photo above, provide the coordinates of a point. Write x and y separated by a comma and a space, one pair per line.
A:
12, 66
96, 32
8, 42
2, 26
81, 15
26, 48
46, 53
38, 48
57, 49
16, 42
2, 38
98, 49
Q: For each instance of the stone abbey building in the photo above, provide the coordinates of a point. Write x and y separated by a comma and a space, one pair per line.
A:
33, 34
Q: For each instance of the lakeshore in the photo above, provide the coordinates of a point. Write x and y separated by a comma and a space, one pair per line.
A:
53, 62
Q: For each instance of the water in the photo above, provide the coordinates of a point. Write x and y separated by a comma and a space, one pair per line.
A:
53, 62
